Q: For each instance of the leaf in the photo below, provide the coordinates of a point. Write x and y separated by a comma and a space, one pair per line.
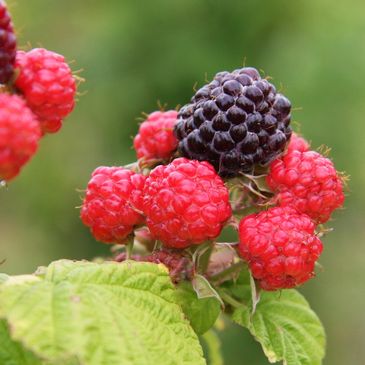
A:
204, 289
241, 287
100, 314
287, 329
11, 352
213, 345
202, 313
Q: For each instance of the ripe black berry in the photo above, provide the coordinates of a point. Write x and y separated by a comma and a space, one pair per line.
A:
235, 122
7, 45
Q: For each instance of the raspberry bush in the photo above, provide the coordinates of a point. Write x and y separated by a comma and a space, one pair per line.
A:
226, 160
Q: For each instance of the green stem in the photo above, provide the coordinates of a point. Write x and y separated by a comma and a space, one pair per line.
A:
230, 300
213, 344
129, 248
203, 260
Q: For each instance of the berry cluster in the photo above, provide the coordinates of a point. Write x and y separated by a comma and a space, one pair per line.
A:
198, 171
235, 122
37, 91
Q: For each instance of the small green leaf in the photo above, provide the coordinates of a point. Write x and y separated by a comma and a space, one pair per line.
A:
202, 313
204, 289
287, 329
100, 314
213, 346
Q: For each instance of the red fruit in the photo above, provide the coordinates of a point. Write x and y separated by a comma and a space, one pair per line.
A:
186, 203
155, 138
7, 45
19, 135
48, 85
280, 246
307, 181
297, 144
113, 203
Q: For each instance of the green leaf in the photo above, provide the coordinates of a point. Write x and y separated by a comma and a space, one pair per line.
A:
100, 314
202, 313
204, 289
213, 346
241, 287
287, 329
11, 352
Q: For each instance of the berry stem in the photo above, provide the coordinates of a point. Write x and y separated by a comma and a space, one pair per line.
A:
129, 248
201, 257
230, 300
256, 294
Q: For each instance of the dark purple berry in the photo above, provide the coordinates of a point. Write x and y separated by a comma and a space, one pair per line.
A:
7, 45
235, 122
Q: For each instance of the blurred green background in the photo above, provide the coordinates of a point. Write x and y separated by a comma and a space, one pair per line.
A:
134, 53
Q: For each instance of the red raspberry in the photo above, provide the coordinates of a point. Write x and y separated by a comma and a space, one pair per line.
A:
280, 247
48, 85
19, 135
307, 181
7, 45
186, 203
113, 202
298, 144
156, 138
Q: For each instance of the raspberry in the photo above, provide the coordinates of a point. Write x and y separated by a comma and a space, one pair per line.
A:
186, 203
280, 247
7, 45
113, 203
298, 143
19, 135
48, 85
156, 139
307, 181
235, 122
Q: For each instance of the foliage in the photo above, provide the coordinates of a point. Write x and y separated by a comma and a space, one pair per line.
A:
89, 313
